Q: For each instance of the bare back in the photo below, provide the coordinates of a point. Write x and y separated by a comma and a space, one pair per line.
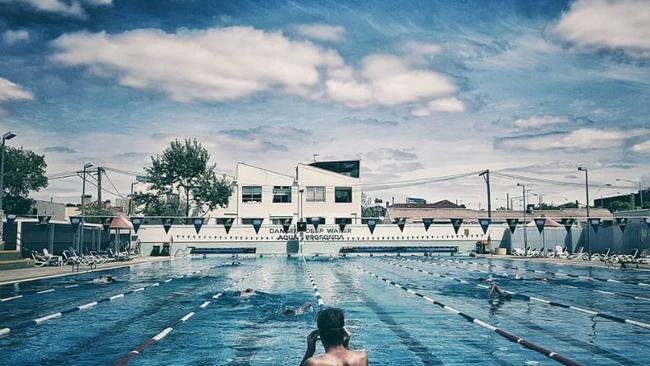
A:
340, 357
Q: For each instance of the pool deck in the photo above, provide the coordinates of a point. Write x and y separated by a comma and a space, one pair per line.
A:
601, 264
10, 276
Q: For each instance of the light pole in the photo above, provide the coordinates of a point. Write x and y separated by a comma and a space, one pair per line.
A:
582, 169
486, 176
5, 137
640, 189
523, 195
83, 206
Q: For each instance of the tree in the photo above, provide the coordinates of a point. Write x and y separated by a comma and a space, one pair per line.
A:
182, 170
371, 207
24, 173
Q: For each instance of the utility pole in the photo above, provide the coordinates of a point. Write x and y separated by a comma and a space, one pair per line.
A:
6, 136
83, 206
486, 177
581, 169
507, 201
99, 187
523, 195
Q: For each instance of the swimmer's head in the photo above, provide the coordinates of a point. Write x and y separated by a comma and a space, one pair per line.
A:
289, 312
331, 323
249, 290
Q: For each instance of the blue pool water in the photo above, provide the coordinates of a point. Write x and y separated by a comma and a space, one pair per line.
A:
394, 326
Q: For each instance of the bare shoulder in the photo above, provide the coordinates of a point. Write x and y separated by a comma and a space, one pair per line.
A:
360, 358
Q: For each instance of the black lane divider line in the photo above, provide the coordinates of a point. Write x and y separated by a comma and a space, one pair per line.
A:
6, 330
509, 336
162, 334
427, 357
563, 274
567, 339
317, 295
525, 297
628, 296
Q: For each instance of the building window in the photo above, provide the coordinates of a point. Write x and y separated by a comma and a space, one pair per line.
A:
315, 194
343, 220
279, 220
281, 194
311, 220
251, 194
343, 194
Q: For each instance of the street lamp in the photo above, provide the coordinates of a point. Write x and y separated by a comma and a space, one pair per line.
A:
582, 169
6, 136
486, 176
83, 206
640, 189
523, 195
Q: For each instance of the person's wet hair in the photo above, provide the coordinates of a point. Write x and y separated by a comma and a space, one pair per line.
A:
330, 324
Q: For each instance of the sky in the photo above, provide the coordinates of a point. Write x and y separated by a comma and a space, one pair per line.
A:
416, 89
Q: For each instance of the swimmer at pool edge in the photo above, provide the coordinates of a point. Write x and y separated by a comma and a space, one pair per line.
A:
335, 338
299, 310
104, 279
249, 292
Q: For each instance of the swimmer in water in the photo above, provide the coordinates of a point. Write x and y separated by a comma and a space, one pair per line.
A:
335, 338
249, 292
104, 279
494, 289
517, 274
299, 310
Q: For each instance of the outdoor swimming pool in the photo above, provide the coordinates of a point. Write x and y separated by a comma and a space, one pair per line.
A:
395, 326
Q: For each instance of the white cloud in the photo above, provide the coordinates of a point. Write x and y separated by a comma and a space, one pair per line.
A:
216, 64
540, 121
621, 24
421, 48
643, 148
439, 105
323, 32
10, 37
579, 140
67, 8
10, 91
389, 80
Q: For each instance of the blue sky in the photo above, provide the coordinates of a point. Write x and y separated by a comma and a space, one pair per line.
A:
416, 90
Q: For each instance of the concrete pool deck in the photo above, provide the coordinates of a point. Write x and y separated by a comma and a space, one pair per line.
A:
558, 261
11, 276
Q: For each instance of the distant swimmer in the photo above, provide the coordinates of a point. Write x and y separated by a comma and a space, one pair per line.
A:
299, 310
335, 338
495, 289
104, 279
517, 274
249, 292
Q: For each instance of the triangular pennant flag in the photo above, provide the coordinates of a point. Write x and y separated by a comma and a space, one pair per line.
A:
167, 223
512, 224
106, 222
371, 225
137, 221
286, 223
539, 222
568, 223
44, 220
257, 223
227, 224
342, 226
75, 221
427, 223
401, 224
11, 218
622, 223
315, 221
198, 222
485, 223
595, 223
456, 223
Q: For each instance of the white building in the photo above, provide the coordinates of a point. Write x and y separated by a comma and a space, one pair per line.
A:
324, 191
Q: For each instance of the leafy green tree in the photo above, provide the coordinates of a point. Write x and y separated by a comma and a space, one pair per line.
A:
372, 207
182, 171
24, 173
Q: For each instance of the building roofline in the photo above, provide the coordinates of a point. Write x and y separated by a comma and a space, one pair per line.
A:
266, 170
328, 171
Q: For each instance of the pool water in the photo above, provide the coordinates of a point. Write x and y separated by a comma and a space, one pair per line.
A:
394, 326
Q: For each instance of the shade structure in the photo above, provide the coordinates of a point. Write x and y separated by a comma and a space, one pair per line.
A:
121, 222
548, 222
